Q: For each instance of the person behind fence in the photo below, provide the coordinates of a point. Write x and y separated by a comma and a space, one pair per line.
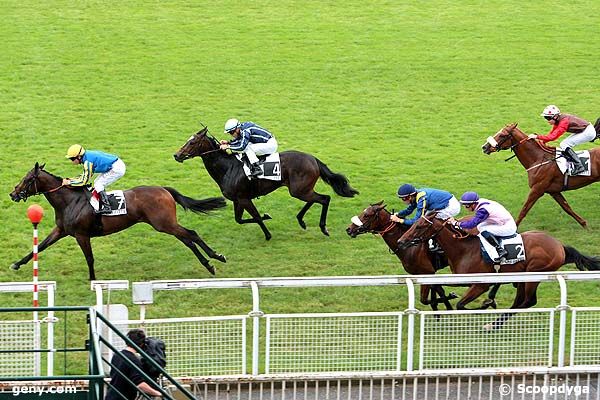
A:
250, 139
126, 382
491, 220
581, 131
110, 167
423, 200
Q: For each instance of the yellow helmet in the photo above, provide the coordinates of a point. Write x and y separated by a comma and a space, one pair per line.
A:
75, 150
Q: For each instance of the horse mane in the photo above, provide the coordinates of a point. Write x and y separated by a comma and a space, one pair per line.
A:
543, 146
51, 174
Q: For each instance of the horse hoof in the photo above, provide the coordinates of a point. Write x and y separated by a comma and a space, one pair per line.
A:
325, 231
221, 258
488, 327
15, 267
452, 296
267, 236
210, 269
266, 216
302, 224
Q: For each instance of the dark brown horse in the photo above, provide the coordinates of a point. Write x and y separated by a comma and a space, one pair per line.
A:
543, 254
74, 216
299, 172
543, 173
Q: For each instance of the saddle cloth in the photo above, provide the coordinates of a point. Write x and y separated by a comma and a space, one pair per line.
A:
564, 164
270, 166
512, 244
116, 199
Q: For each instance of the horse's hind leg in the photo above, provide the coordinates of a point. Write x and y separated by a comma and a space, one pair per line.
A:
310, 199
192, 246
560, 199
246, 204
210, 252
300, 216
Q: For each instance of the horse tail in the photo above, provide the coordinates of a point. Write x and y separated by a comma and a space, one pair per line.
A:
582, 262
197, 206
338, 182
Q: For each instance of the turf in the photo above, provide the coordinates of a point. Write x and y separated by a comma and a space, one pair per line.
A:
384, 92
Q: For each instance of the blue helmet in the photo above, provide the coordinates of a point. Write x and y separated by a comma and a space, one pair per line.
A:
469, 197
406, 190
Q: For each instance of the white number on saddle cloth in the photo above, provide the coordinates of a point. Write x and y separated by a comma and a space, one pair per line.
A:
117, 202
563, 163
514, 246
270, 166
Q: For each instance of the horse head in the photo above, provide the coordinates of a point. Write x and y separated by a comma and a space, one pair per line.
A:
425, 228
197, 145
505, 139
30, 185
374, 219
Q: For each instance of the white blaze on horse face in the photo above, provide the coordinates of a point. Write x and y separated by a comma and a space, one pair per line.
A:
491, 141
190, 139
356, 221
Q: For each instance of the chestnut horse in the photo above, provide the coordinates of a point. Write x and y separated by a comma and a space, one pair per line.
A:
299, 172
543, 173
75, 217
416, 260
543, 254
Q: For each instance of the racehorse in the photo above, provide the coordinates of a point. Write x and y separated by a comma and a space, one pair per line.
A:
417, 260
74, 215
543, 173
543, 254
299, 172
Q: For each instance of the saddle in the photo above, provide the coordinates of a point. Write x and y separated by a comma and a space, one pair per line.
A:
270, 166
512, 244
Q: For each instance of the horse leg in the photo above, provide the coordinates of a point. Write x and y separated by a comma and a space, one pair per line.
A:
210, 252
491, 300
238, 217
532, 197
472, 293
52, 238
246, 204
86, 247
521, 299
311, 198
560, 199
189, 242
443, 298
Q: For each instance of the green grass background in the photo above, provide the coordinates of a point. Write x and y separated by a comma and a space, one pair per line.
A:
385, 92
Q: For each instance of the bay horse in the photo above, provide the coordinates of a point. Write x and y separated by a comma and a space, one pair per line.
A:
543, 254
416, 260
299, 172
543, 174
75, 217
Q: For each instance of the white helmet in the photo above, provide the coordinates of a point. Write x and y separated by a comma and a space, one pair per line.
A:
550, 111
231, 124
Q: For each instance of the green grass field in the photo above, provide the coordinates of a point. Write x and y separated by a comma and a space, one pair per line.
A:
385, 92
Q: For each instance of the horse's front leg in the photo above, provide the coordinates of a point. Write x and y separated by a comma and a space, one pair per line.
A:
472, 293
246, 204
238, 211
560, 199
532, 197
52, 238
86, 247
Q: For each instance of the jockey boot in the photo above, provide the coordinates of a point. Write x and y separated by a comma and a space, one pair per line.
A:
577, 164
104, 205
255, 170
493, 240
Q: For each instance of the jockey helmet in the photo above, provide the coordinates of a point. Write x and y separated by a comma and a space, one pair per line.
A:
469, 198
550, 111
406, 190
75, 150
231, 124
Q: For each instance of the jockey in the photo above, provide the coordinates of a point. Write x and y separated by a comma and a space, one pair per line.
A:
491, 219
250, 139
581, 131
109, 166
423, 200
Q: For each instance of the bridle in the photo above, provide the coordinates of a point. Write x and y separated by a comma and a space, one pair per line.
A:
495, 145
363, 228
33, 181
203, 133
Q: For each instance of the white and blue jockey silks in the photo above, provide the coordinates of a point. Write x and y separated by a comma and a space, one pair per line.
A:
491, 216
249, 133
428, 199
94, 161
